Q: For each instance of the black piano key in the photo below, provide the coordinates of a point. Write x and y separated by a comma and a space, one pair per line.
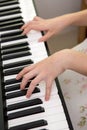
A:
10, 11
9, 20
11, 81
19, 63
12, 87
12, 71
9, 34
12, 38
26, 112
7, 3
15, 87
17, 11
11, 27
13, 50
43, 129
2, 1
7, 23
23, 104
17, 44
30, 125
20, 93
16, 55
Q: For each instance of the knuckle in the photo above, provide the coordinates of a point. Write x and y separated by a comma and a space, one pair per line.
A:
25, 77
25, 69
33, 83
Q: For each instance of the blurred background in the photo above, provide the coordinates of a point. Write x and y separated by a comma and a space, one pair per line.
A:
52, 8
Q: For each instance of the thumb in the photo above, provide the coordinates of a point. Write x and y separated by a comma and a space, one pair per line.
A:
45, 37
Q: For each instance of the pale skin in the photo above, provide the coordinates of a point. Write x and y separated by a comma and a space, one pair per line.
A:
49, 68
55, 25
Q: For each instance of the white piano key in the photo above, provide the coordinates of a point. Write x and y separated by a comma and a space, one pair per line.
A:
48, 112
54, 105
13, 42
28, 10
25, 57
34, 36
9, 31
9, 6
33, 58
10, 16
32, 39
59, 118
38, 53
37, 95
9, 77
49, 106
52, 126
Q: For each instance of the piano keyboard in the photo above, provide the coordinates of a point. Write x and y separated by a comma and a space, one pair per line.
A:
18, 51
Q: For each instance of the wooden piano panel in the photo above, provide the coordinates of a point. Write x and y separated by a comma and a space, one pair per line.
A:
82, 30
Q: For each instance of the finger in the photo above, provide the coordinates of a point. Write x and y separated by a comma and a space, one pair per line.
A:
26, 78
45, 37
24, 71
26, 30
48, 90
24, 26
24, 82
32, 26
27, 24
32, 85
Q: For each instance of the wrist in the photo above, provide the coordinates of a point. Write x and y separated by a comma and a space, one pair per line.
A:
65, 21
63, 59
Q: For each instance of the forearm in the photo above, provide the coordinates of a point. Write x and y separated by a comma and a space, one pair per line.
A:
80, 18
55, 25
74, 19
76, 61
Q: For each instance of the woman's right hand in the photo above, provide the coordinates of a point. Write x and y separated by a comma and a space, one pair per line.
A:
46, 70
49, 26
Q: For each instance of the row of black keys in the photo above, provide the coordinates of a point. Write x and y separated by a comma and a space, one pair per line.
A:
12, 51
27, 112
28, 103
5, 23
13, 86
9, 50
15, 50
31, 125
4, 3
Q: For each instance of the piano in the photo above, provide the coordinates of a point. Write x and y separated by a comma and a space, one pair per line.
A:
16, 52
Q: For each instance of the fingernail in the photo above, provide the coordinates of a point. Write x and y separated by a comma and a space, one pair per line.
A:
27, 95
47, 98
17, 77
39, 40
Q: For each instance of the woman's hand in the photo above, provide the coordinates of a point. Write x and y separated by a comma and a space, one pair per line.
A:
49, 26
55, 25
47, 70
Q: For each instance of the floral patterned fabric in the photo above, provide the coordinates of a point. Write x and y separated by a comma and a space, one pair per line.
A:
74, 88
